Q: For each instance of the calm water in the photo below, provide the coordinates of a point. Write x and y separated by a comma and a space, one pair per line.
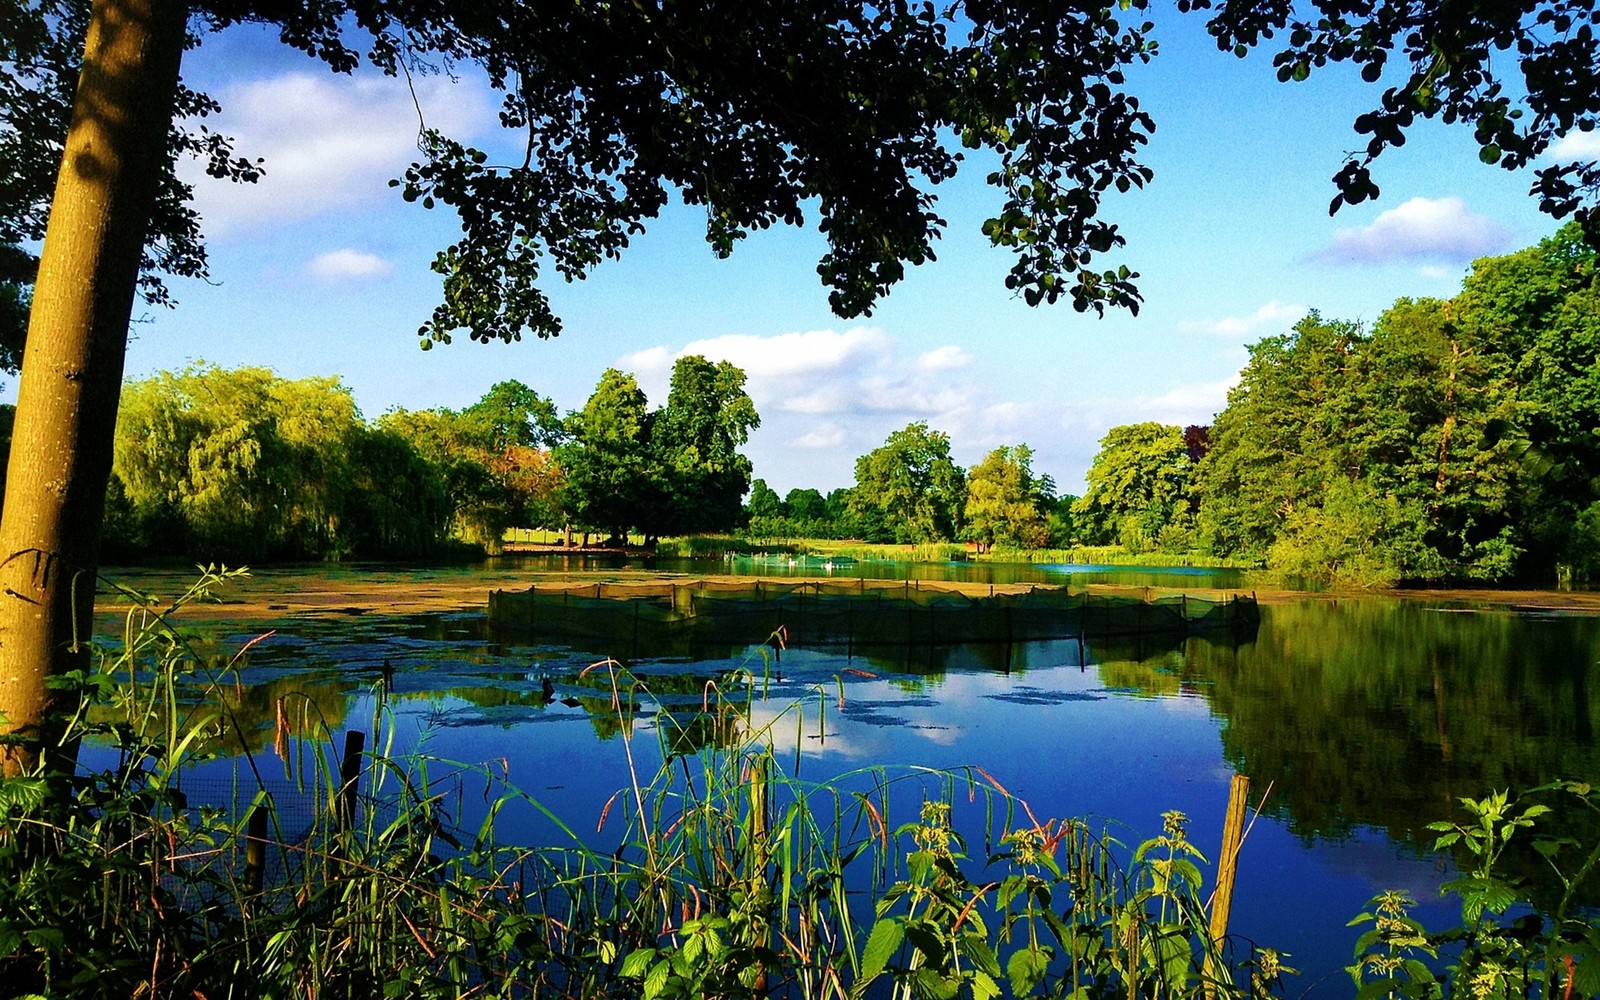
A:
1365, 718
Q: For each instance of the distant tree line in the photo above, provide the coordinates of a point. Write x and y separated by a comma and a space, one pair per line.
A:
1456, 440
244, 464
910, 491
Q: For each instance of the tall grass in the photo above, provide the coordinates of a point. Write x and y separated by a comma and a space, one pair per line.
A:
714, 546
720, 873
1113, 555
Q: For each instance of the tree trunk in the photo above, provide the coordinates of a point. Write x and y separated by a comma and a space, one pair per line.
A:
72, 366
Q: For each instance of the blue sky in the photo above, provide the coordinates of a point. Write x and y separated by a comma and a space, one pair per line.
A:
321, 269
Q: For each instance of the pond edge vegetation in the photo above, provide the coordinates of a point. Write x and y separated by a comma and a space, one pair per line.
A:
730, 879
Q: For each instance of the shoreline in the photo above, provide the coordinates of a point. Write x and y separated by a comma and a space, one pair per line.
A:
276, 593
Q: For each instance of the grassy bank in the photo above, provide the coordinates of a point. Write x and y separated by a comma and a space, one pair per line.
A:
719, 546
823, 548
1112, 555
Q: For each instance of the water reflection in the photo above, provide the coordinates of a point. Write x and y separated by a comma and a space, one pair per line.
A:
1383, 712
1368, 718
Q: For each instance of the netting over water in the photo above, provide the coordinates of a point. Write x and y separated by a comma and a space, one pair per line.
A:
858, 613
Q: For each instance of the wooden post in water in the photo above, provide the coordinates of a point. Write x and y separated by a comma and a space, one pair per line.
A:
255, 852
350, 776
1227, 870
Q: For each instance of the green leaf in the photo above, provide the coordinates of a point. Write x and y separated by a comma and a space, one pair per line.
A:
22, 794
929, 983
1366, 941
983, 986
1379, 988
46, 938
1011, 884
1188, 871
637, 962
976, 948
1026, 970
1418, 970
656, 981
886, 937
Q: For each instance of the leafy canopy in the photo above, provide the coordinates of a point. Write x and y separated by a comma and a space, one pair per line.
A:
1005, 503
41, 51
1138, 485
1455, 440
908, 489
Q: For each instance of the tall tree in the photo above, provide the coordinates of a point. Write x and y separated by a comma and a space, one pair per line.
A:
1534, 316
493, 458
764, 501
1455, 441
241, 463
908, 489
1004, 501
72, 362
511, 415
1267, 444
1138, 487
700, 474
806, 504
610, 476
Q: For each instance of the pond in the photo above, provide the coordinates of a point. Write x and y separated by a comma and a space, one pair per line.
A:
1361, 719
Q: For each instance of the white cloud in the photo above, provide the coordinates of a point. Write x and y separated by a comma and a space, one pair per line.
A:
330, 142
944, 358
827, 435
1189, 403
835, 395
819, 399
793, 354
1271, 317
348, 265
1575, 146
1437, 229
913, 395
650, 361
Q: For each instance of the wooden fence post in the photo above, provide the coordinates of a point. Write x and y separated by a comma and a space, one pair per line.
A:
1227, 870
350, 776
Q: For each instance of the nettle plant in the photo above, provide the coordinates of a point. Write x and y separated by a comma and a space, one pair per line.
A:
1506, 945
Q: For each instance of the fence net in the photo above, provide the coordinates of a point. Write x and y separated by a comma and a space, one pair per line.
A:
856, 613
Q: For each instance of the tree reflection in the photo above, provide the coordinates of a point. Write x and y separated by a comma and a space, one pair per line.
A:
1382, 713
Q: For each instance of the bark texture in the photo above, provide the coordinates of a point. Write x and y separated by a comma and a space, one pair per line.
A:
72, 367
